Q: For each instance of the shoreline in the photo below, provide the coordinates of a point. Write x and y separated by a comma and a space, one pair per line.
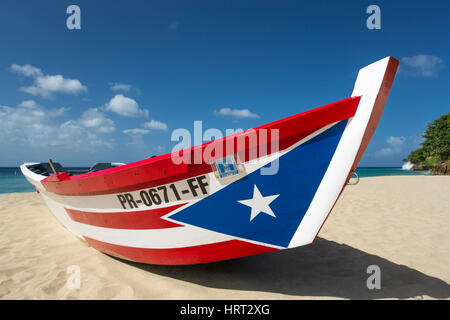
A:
360, 177
17, 183
399, 223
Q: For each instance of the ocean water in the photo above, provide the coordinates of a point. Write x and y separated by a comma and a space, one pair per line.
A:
12, 179
387, 171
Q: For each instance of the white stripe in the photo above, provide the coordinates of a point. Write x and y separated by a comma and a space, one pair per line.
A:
177, 237
33, 178
368, 84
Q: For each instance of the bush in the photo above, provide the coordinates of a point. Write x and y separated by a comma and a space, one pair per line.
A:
436, 147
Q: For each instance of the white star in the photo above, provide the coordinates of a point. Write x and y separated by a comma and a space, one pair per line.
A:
259, 203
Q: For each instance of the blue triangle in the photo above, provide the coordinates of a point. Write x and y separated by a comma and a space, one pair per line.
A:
300, 173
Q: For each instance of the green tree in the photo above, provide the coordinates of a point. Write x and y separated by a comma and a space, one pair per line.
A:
436, 146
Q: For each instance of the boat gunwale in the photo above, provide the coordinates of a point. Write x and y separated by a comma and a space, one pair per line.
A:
53, 184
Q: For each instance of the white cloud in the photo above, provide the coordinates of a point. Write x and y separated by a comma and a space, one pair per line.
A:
38, 127
396, 142
395, 146
60, 112
136, 131
59, 84
33, 90
45, 85
156, 125
26, 70
422, 65
93, 118
28, 104
73, 136
120, 86
136, 136
125, 106
236, 113
31, 104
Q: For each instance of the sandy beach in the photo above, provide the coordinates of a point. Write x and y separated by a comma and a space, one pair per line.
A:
400, 224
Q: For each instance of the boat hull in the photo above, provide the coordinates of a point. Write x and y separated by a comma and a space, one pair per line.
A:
274, 190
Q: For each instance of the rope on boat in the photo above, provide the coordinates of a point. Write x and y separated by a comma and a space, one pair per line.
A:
355, 182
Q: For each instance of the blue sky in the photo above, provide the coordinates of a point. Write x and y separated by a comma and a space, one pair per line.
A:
116, 89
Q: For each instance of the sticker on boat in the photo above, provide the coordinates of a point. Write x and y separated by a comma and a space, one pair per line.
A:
227, 167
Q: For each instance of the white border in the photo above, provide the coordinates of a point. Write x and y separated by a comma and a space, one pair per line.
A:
368, 84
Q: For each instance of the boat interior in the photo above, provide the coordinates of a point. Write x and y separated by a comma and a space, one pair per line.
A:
44, 168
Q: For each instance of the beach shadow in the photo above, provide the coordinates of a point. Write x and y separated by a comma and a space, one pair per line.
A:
322, 269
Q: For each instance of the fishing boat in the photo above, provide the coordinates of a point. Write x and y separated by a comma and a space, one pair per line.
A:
260, 190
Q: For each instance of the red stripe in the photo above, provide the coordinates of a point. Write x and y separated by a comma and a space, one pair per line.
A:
147, 219
182, 256
161, 170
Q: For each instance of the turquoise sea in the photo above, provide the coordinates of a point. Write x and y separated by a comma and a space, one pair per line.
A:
12, 180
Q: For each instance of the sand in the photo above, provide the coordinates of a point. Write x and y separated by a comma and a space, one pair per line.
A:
401, 224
